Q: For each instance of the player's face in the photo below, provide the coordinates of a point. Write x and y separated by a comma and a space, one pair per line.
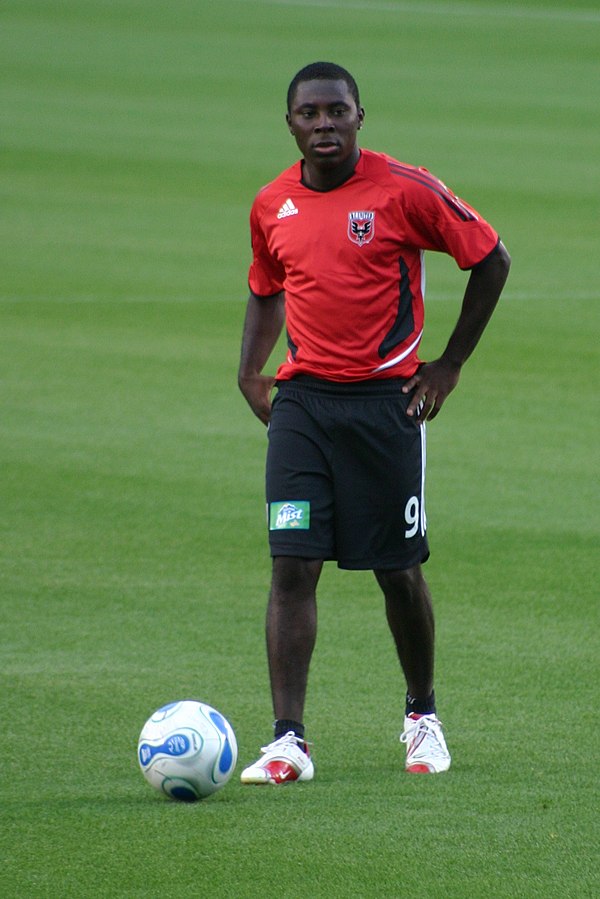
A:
324, 119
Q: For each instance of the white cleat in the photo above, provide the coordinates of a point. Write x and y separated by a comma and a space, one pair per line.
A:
283, 761
426, 750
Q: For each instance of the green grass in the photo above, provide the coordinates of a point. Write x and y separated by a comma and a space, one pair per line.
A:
134, 566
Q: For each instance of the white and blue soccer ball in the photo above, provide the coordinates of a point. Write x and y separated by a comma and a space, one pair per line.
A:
187, 750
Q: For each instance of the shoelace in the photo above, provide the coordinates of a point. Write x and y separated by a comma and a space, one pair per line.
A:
290, 737
432, 726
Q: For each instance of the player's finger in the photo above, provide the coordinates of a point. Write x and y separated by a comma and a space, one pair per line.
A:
439, 402
412, 382
425, 412
417, 398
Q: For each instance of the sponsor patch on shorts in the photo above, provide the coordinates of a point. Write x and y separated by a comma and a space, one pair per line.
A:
289, 515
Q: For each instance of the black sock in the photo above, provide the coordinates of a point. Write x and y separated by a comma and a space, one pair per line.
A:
284, 725
420, 706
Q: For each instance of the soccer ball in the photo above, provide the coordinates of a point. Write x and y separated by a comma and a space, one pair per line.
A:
187, 750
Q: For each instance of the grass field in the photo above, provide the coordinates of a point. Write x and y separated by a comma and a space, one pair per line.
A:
134, 566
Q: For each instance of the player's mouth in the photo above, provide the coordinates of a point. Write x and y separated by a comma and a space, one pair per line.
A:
326, 147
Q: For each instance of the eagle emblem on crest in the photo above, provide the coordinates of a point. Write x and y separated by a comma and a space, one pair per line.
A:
361, 227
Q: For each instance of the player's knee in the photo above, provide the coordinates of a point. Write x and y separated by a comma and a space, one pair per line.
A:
406, 586
295, 577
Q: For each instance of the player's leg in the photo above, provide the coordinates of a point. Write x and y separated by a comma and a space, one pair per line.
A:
300, 507
380, 508
291, 632
410, 618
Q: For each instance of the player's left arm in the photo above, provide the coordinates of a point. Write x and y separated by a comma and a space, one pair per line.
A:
435, 380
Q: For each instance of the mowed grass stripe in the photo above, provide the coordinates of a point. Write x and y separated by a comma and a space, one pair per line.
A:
576, 16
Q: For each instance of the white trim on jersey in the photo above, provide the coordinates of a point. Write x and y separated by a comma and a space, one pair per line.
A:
402, 355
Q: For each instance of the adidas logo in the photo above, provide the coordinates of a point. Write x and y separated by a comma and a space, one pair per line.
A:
288, 208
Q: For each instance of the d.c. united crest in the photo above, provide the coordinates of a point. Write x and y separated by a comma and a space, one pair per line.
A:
361, 227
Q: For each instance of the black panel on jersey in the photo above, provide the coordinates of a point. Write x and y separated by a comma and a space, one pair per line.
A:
405, 320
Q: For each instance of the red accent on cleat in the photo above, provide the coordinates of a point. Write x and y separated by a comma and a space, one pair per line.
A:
419, 769
281, 772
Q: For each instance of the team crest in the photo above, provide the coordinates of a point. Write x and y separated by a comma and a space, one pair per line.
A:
361, 227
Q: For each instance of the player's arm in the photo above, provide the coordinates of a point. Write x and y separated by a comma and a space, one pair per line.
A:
264, 321
435, 380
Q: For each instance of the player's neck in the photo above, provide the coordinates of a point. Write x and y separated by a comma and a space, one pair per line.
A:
324, 178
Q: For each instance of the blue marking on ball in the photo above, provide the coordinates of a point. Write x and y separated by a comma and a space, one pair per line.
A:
226, 759
176, 746
184, 794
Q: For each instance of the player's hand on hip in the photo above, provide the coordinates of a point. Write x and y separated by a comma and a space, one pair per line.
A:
431, 384
257, 391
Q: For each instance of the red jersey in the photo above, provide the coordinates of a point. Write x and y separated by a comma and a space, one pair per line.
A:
351, 263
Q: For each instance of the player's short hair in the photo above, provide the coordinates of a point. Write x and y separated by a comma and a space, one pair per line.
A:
325, 71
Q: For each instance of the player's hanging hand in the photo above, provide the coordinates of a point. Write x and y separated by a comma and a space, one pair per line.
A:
257, 391
431, 384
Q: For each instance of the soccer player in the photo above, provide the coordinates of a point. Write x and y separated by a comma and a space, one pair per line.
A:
338, 241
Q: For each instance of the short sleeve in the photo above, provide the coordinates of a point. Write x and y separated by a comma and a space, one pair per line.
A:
442, 221
266, 275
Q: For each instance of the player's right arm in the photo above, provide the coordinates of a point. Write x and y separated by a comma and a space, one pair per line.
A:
264, 321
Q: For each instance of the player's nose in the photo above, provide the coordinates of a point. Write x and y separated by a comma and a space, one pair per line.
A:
324, 123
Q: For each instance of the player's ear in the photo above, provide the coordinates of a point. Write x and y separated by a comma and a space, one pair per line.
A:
288, 119
361, 117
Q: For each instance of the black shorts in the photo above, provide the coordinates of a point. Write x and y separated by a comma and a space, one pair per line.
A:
345, 475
